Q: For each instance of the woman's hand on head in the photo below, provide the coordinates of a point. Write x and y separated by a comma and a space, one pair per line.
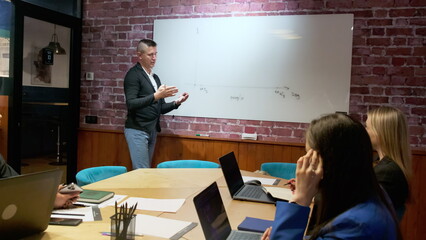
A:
308, 175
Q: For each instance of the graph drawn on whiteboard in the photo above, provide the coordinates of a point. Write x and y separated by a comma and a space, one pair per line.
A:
275, 68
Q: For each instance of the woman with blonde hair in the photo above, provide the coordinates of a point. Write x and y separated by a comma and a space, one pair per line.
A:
387, 128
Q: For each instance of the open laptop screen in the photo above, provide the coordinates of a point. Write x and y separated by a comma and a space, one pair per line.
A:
26, 203
212, 214
231, 172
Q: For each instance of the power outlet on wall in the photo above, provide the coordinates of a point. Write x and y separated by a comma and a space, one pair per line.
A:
90, 76
91, 119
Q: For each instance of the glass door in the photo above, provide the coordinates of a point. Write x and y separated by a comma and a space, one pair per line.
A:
45, 96
44, 106
5, 78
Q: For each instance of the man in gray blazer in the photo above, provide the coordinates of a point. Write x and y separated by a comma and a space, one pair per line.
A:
145, 103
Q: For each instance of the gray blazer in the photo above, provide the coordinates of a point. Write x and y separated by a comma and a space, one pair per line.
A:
143, 112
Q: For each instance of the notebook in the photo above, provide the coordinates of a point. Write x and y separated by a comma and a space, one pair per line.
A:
26, 203
213, 218
236, 186
255, 224
95, 196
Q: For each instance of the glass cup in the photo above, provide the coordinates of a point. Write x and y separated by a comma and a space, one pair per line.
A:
123, 227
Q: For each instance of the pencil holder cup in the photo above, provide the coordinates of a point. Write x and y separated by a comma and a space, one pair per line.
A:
123, 227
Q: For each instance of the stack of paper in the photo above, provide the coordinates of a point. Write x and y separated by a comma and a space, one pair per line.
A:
162, 227
151, 204
87, 214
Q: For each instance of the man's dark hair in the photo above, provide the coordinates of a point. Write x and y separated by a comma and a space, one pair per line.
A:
144, 43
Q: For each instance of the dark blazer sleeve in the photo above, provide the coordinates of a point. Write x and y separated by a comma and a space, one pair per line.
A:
6, 170
393, 180
138, 90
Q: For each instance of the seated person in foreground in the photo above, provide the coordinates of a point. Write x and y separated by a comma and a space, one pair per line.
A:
338, 167
388, 132
61, 200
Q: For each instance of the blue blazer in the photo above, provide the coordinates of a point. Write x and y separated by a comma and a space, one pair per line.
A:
367, 221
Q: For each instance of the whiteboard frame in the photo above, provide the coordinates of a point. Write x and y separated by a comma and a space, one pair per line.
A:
275, 68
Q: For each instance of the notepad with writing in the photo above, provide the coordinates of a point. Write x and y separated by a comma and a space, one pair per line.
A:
255, 224
95, 196
280, 193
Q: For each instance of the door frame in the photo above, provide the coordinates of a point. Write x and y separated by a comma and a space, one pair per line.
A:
20, 10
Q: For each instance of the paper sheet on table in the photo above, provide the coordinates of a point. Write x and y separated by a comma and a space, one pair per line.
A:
279, 192
84, 213
162, 227
264, 181
151, 204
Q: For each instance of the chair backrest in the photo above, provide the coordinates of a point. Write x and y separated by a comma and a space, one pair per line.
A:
188, 164
94, 174
280, 169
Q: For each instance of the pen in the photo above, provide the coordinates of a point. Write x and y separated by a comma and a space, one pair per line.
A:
201, 135
290, 182
70, 214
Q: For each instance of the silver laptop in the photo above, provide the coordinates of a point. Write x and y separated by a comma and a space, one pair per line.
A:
26, 203
213, 218
236, 186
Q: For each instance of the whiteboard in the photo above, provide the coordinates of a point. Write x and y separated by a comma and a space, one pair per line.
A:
275, 68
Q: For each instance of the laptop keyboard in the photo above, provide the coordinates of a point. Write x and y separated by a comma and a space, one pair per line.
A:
237, 235
251, 192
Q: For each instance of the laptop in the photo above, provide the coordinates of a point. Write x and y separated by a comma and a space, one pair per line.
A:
26, 203
213, 218
236, 186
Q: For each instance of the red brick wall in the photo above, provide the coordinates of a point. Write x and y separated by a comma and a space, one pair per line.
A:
388, 64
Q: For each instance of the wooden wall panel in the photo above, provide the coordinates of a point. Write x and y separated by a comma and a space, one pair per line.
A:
412, 225
96, 148
252, 155
4, 124
173, 148
101, 147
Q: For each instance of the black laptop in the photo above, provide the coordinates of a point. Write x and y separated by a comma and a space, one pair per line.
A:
213, 218
236, 186
26, 203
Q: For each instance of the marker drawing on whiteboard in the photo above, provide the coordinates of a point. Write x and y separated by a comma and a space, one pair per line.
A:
237, 98
203, 89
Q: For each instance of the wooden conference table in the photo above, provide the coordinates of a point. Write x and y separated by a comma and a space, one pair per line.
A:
164, 183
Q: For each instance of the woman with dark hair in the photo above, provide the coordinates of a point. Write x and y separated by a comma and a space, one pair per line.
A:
338, 168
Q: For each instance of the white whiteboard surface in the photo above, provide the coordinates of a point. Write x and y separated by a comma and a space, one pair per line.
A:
275, 68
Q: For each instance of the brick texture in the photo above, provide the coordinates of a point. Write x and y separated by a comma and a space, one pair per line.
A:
388, 66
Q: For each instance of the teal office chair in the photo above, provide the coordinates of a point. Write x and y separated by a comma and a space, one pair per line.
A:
279, 169
188, 164
94, 174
